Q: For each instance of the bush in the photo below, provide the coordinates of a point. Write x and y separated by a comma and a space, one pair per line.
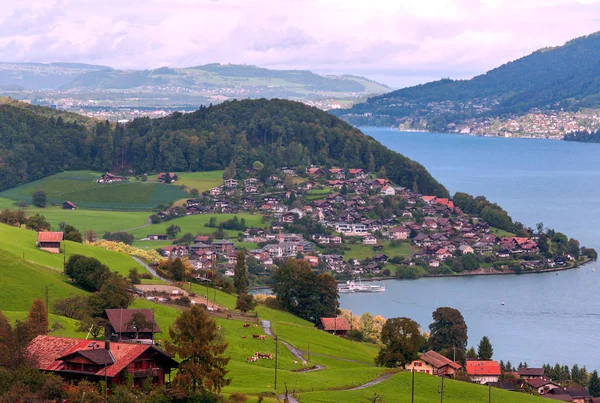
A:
387, 272
237, 397
183, 301
355, 335
408, 272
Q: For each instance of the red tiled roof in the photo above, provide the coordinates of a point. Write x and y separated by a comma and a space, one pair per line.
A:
331, 324
437, 360
355, 171
428, 198
482, 368
70, 204
46, 350
50, 237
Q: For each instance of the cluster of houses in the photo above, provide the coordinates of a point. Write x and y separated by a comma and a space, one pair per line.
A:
349, 204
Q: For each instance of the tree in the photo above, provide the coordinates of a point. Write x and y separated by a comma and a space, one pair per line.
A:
258, 166
138, 322
195, 340
177, 269
240, 279
95, 326
72, 234
167, 177
245, 303
573, 248
594, 384
37, 318
134, 276
448, 330
172, 231
88, 272
38, 222
73, 307
38, 198
123, 237
402, 340
113, 294
301, 292
471, 354
485, 350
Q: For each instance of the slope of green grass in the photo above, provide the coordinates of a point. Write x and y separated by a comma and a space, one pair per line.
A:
81, 188
398, 389
195, 224
201, 181
21, 243
360, 251
69, 325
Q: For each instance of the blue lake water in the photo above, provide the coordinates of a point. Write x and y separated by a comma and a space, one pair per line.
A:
546, 317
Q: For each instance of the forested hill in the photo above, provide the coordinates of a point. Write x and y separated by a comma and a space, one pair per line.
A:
274, 132
551, 78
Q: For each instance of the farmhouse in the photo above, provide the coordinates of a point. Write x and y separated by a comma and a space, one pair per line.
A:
110, 178
120, 326
77, 359
483, 371
434, 363
49, 241
68, 206
162, 177
157, 237
336, 326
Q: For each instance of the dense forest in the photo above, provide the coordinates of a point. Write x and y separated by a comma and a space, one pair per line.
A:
564, 77
275, 132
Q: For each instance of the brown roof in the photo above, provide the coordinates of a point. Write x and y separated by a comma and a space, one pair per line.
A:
531, 372
47, 351
100, 356
331, 324
70, 204
437, 360
119, 318
539, 382
50, 237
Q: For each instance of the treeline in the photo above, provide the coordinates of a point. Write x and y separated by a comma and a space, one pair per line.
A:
275, 132
491, 213
583, 137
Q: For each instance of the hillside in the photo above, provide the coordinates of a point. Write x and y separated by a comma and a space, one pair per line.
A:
564, 77
276, 132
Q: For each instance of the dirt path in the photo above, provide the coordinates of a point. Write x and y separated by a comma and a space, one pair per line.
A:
148, 223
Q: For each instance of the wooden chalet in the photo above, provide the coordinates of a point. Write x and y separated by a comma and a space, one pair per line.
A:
119, 328
77, 359
337, 326
434, 363
68, 205
49, 241
110, 178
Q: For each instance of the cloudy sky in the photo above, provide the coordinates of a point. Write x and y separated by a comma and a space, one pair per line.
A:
399, 42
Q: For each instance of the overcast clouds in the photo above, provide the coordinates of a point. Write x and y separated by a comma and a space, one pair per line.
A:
399, 42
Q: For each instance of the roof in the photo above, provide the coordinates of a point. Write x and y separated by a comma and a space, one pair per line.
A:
506, 385
47, 351
539, 382
437, 360
476, 367
70, 203
50, 237
428, 198
119, 318
331, 324
531, 372
100, 356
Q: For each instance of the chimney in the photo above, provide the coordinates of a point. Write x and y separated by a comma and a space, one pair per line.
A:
107, 345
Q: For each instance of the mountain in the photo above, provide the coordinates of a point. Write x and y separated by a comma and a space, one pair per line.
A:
277, 133
549, 79
190, 86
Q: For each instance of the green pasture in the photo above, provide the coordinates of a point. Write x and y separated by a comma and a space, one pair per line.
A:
81, 188
360, 251
201, 181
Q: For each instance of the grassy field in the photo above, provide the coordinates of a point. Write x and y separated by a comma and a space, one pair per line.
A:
501, 233
21, 243
398, 389
69, 325
197, 180
317, 194
195, 224
360, 251
80, 187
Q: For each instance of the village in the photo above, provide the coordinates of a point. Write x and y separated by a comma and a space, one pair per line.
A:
325, 215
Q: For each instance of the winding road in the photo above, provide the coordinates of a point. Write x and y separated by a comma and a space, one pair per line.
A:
150, 269
299, 355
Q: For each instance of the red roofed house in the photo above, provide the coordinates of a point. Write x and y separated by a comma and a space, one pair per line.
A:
434, 363
163, 176
68, 206
49, 241
387, 190
357, 173
337, 326
429, 199
317, 172
120, 327
483, 371
77, 359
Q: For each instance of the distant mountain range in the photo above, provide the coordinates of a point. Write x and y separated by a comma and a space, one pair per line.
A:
192, 85
550, 79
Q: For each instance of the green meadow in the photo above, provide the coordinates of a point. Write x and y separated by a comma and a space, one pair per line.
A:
201, 181
360, 251
81, 188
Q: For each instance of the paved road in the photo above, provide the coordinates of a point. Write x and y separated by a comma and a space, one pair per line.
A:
150, 269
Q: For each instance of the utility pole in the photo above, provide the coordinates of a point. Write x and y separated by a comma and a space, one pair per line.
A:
47, 316
412, 389
276, 360
442, 391
489, 393
309, 351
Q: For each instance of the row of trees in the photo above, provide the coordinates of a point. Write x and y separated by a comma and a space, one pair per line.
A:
17, 218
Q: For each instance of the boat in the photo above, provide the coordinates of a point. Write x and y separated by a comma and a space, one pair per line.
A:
351, 286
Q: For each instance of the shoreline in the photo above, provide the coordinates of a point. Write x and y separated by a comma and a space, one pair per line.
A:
469, 274
465, 134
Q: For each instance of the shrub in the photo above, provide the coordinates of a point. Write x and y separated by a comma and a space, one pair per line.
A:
387, 272
355, 335
237, 397
183, 301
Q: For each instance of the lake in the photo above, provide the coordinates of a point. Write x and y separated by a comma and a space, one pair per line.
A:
546, 317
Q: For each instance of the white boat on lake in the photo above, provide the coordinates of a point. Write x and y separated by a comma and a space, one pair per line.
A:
351, 286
